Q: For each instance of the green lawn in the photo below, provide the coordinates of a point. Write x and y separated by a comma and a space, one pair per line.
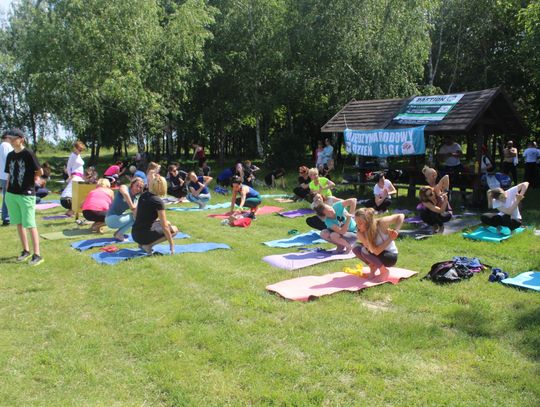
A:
201, 330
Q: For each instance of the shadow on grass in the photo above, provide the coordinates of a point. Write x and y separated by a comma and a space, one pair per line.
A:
529, 324
473, 322
9, 260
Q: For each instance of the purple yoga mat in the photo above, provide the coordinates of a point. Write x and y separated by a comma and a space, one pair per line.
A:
414, 219
56, 217
294, 261
43, 206
297, 212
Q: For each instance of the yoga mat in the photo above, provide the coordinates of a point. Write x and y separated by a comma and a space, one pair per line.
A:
413, 220
311, 237
284, 200
420, 232
126, 254
88, 244
274, 196
457, 225
44, 206
295, 261
196, 208
308, 287
297, 212
403, 211
66, 234
485, 235
56, 217
263, 210
529, 279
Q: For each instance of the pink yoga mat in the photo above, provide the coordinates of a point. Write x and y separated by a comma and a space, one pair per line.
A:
263, 210
305, 288
41, 207
294, 261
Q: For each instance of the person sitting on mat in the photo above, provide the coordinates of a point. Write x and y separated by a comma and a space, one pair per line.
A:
151, 226
508, 204
198, 189
97, 203
433, 209
248, 197
376, 245
322, 186
90, 175
340, 225
302, 190
382, 194
125, 198
176, 180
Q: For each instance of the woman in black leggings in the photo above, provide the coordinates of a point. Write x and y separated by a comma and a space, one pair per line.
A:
433, 209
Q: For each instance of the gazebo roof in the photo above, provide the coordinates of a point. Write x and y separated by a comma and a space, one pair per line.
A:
490, 108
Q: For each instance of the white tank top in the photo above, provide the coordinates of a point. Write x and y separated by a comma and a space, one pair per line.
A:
381, 237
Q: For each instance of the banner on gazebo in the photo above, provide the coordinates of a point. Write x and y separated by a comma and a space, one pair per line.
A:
427, 109
385, 142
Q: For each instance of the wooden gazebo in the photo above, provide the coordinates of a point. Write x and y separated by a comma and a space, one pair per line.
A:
479, 116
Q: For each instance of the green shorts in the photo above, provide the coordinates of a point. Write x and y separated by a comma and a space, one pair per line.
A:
22, 209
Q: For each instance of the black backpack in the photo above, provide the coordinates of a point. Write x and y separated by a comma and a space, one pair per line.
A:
448, 272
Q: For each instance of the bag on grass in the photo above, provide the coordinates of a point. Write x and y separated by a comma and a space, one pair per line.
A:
448, 272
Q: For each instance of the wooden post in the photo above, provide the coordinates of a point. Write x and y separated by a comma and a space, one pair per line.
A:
477, 198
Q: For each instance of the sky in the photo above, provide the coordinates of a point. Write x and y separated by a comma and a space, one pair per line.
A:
4, 5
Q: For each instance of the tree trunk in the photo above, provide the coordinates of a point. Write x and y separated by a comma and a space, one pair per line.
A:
139, 129
260, 150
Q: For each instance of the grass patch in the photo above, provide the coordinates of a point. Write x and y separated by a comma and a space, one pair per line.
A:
200, 329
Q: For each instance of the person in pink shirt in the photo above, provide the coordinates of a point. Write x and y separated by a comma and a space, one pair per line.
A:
113, 172
97, 203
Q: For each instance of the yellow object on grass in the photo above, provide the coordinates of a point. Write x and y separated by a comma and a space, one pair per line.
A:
357, 271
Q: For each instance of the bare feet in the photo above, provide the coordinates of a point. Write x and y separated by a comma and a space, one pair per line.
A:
146, 247
383, 274
120, 237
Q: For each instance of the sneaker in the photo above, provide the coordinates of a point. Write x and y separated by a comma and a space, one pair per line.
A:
5, 223
24, 256
252, 216
36, 259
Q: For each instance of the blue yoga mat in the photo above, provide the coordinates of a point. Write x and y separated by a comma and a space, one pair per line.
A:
486, 235
126, 254
88, 244
312, 237
529, 279
206, 208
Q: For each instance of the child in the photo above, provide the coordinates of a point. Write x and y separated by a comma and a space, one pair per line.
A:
22, 168
90, 175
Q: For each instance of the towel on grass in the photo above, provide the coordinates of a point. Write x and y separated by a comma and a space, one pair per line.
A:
308, 287
297, 212
56, 217
88, 244
196, 208
126, 254
66, 234
487, 234
311, 237
44, 206
295, 261
263, 210
529, 280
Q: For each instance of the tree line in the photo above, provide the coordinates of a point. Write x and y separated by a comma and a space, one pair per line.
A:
249, 77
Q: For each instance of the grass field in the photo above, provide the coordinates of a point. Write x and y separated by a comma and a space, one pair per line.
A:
200, 329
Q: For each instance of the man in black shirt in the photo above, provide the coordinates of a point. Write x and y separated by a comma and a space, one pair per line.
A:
22, 168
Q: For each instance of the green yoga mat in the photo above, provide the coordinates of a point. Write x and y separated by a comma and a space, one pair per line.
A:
67, 234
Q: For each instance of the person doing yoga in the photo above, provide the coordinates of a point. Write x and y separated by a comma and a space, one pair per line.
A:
151, 226
340, 225
322, 186
97, 203
376, 238
125, 198
382, 194
434, 210
198, 189
248, 197
441, 186
507, 202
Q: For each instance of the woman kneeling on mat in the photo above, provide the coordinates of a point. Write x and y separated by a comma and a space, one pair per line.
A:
248, 197
434, 209
97, 203
507, 202
340, 225
125, 198
377, 247
151, 226
198, 189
